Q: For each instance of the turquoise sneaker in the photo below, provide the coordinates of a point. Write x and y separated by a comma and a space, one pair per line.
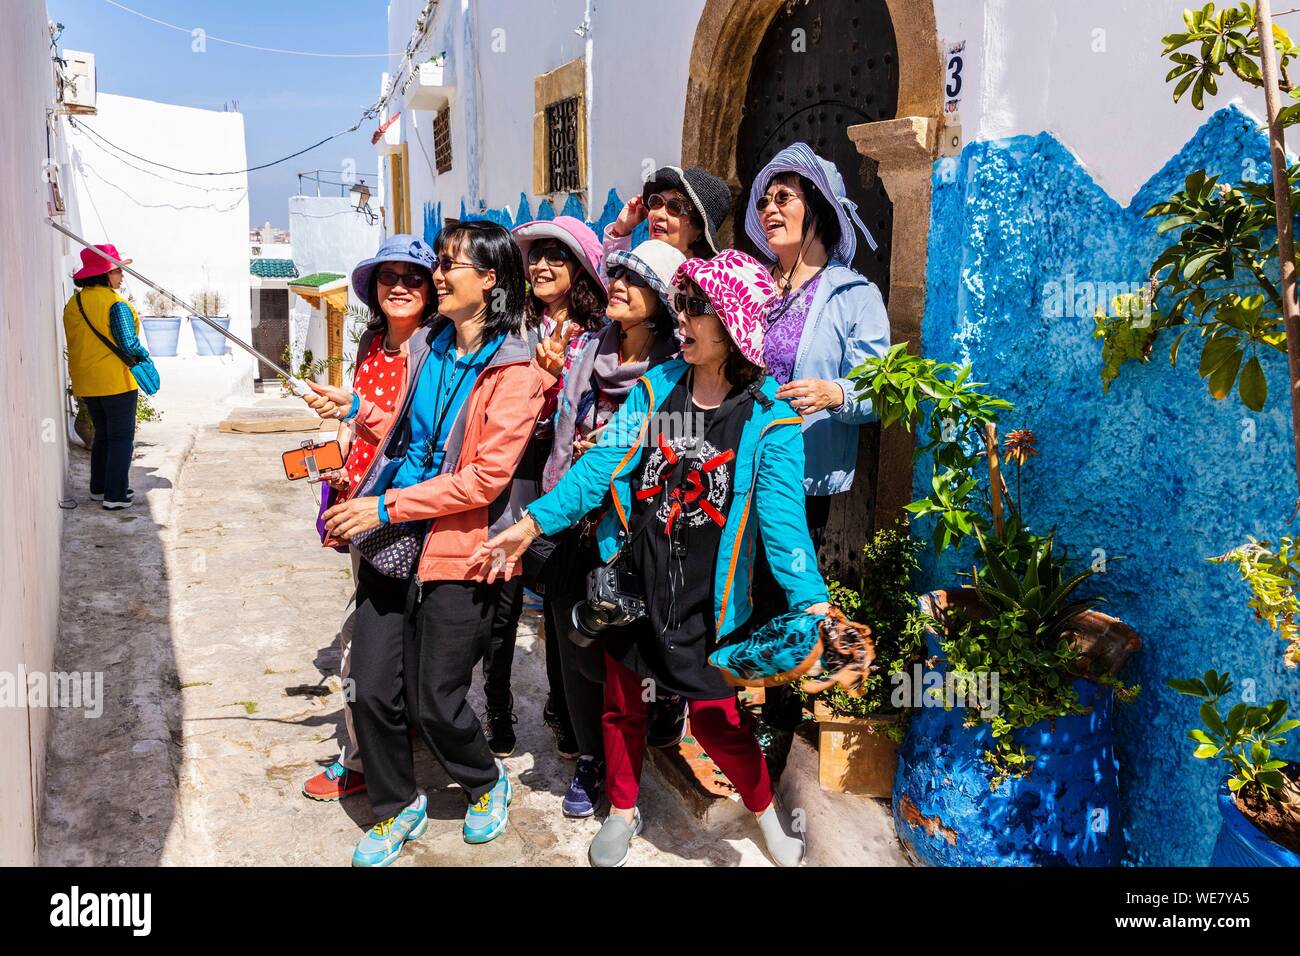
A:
384, 841
487, 819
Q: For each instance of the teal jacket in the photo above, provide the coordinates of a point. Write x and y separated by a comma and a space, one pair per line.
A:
767, 495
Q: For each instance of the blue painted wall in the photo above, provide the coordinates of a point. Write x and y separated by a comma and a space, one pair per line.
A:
1156, 472
433, 216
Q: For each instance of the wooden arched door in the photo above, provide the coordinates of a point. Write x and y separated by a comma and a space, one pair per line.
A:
822, 67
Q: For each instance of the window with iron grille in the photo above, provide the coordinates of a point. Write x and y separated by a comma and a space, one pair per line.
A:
442, 139
562, 169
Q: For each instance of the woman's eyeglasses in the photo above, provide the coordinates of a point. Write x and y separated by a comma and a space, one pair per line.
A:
554, 255
693, 305
630, 275
676, 207
410, 280
447, 263
780, 197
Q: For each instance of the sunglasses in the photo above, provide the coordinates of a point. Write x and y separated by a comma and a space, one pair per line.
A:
676, 207
630, 275
410, 280
693, 305
447, 263
554, 255
781, 197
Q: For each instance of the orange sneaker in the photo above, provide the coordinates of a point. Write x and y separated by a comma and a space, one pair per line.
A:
334, 783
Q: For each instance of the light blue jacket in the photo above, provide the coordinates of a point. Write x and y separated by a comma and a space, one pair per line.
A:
766, 494
846, 324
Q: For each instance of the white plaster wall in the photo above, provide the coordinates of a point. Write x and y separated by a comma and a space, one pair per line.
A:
638, 59
33, 467
1090, 73
184, 232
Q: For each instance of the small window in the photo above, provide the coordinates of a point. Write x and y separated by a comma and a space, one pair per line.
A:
442, 139
563, 172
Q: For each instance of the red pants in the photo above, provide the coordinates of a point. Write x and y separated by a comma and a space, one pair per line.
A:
718, 725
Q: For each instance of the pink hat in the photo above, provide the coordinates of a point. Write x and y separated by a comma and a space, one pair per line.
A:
575, 234
93, 264
739, 287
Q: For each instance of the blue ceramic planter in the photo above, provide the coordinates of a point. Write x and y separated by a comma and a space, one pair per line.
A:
1241, 843
208, 341
1065, 813
161, 333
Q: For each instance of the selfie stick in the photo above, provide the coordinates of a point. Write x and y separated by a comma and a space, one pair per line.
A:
297, 385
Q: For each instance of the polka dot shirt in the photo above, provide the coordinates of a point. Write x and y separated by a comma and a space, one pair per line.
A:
378, 378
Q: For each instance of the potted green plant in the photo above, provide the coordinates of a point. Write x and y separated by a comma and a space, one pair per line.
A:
1009, 754
208, 341
162, 326
858, 736
1259, 796
1219, 276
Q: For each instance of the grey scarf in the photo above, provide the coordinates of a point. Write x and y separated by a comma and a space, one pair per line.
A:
599, 363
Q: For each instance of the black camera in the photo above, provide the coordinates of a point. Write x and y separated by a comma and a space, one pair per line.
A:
614, 597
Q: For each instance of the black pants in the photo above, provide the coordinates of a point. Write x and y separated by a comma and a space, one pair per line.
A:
111, 450
580, 681
413, 656
499, 659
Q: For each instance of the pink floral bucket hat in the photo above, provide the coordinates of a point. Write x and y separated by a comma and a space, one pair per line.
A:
738, 287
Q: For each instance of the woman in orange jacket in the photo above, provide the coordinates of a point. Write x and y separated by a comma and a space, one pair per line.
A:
440, 487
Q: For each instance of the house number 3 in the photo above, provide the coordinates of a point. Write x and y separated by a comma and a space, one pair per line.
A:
953, 88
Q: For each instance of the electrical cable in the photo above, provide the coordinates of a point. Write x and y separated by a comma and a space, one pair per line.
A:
163, 205
77, 124
248, 46
166, 179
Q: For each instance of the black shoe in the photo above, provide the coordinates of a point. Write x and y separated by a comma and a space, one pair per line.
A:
565, 742
667, 724
501, 731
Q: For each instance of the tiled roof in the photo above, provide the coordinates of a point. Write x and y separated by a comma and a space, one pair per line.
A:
273, 268
317, 279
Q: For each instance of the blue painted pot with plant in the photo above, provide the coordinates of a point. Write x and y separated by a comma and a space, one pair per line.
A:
1259, 796
1014, 762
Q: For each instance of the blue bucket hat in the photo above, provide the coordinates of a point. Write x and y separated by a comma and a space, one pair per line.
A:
402, 247
799, 158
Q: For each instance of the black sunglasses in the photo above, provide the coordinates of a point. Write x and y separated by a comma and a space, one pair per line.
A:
631, 275
555, 255
411, 280
692, 305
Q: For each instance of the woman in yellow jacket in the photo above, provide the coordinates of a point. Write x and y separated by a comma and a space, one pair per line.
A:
105, 358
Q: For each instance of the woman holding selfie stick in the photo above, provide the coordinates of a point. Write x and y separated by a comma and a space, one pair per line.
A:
699, 456
425, 607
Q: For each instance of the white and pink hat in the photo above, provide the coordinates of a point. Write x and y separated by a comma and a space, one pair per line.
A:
739, 287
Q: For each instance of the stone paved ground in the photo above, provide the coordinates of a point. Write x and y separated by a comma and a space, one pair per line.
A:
212, 611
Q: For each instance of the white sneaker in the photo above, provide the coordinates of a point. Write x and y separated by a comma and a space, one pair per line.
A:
116, 505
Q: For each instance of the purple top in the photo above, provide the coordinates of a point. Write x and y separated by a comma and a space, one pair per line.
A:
782, 327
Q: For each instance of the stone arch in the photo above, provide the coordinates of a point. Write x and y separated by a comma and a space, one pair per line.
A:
904, 149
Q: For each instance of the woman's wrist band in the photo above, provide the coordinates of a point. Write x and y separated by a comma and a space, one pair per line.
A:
383, 510
356, 407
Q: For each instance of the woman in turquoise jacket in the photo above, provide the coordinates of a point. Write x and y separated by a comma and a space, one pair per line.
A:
700, 457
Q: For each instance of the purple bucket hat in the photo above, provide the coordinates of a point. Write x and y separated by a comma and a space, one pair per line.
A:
402, 247
739, 288
799, 158
576, 236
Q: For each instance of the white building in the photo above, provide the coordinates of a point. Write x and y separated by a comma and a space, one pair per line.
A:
187, 233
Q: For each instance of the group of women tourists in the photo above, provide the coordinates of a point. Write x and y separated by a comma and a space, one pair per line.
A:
533, 407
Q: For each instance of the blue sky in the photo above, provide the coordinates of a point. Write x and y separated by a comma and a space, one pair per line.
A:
288, 101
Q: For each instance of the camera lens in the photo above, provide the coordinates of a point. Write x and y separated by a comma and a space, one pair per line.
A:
590, 622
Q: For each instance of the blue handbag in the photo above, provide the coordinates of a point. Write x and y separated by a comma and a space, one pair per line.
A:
144, 372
